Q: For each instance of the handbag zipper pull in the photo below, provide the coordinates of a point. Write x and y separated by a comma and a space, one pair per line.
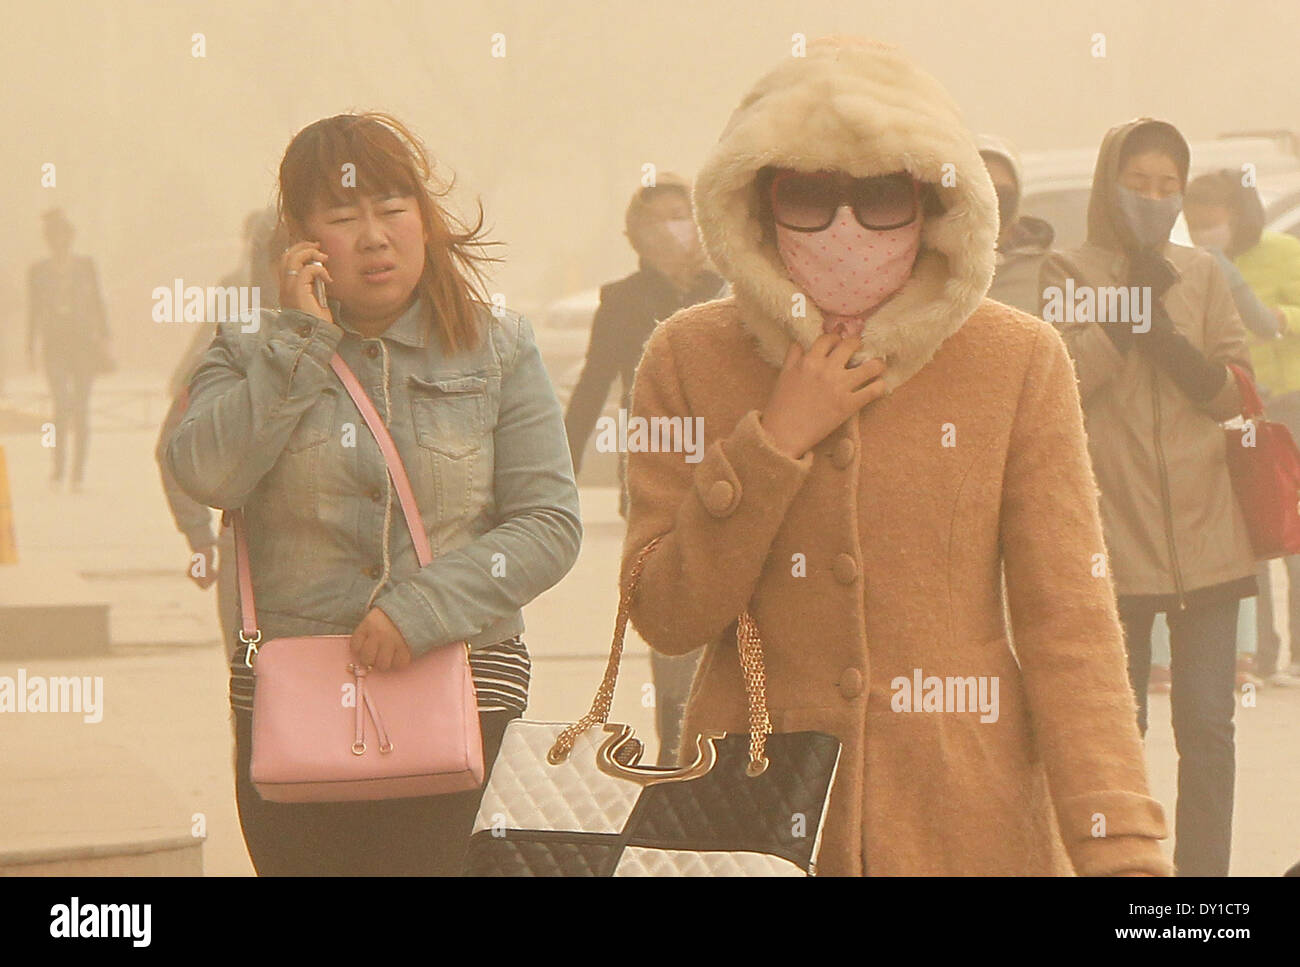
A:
385, 746
359, 733
365, 702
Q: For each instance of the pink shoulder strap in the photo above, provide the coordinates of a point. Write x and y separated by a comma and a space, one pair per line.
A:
401, 483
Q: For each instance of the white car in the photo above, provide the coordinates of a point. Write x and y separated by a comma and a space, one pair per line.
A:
1282, 206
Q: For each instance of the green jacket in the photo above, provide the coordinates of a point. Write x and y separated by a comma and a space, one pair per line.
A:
1272, 269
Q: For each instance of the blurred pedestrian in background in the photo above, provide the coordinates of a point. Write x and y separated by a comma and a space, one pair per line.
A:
1023, 240
66, 320
672, 273
1227, 216
1153, 398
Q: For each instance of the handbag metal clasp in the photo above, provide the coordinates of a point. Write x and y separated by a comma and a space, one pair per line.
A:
706, 756
250, 646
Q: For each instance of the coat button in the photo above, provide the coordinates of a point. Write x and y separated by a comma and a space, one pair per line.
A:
850, 683
372, 350
845, 568
304, 330
842, 455
376, 494
718, 498
372, 572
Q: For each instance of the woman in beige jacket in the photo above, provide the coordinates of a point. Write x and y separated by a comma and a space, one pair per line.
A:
863, 514
1154, 386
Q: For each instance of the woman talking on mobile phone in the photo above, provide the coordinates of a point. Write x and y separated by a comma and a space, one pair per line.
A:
882, 443
464, 395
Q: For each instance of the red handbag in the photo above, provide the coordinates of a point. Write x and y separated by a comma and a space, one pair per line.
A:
1264, 464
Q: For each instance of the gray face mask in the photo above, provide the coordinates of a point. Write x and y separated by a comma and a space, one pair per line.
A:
1149, 219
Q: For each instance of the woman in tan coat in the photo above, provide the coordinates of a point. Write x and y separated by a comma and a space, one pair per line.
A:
864, 513
1154, 390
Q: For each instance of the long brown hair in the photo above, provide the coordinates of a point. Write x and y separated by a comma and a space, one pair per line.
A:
387, 157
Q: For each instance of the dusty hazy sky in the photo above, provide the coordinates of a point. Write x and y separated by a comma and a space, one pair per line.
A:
160, 153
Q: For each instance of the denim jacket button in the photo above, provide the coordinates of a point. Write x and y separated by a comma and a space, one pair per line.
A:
372, 351
376, 494
304, 330
372, 572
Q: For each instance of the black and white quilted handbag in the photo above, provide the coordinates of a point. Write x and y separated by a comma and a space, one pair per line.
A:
572, 800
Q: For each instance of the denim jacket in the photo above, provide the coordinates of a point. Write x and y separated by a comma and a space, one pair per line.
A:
271, 429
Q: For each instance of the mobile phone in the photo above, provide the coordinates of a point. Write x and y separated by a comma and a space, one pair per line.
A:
318, 285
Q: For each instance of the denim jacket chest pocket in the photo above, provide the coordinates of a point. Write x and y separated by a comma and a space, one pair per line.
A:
453, 418
449, 414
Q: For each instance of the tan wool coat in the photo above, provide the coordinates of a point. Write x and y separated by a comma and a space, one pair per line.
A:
881, 551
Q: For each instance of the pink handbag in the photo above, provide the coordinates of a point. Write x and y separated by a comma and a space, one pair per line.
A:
312, 700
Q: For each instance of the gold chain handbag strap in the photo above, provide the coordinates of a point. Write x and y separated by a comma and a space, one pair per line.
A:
751, 663
751, 660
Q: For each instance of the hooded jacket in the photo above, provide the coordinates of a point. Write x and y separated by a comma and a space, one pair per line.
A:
1001, 148
1019, 263
1248, 226
1172, 523
843, 101
1020, 254
875, 560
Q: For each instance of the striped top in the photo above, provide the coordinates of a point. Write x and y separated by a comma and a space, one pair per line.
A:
501, 673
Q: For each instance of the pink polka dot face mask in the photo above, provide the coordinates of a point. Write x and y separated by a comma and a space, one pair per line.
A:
848, 270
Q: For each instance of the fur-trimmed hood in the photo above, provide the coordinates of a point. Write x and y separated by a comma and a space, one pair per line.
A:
861, 107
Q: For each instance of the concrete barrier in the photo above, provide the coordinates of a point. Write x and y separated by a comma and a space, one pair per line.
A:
50, 612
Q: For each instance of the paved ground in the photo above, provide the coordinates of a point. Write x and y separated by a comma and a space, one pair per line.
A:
165, 728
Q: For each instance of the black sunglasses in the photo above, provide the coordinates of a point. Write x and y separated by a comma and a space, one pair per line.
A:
808, 201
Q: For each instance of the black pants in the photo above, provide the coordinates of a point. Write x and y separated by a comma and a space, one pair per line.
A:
70, 390
419, 836
1202, 670
672, 675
